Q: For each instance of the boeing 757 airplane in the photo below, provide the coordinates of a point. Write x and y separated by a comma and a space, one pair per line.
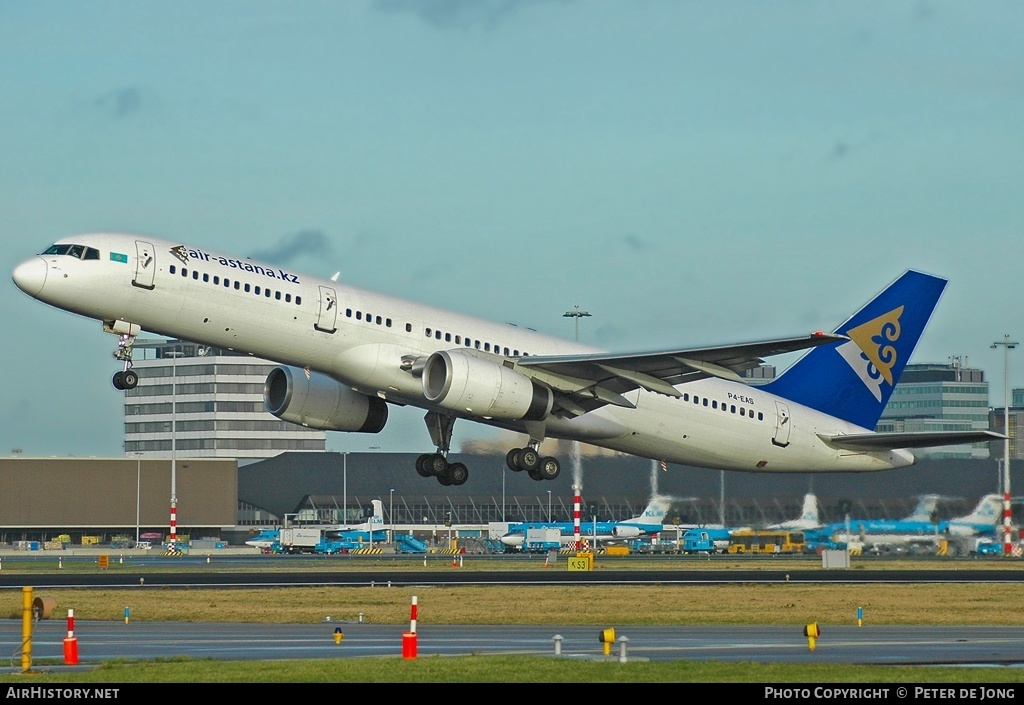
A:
345, 354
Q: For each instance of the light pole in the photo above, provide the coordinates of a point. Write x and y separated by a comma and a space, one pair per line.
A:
1006, 345
172, 543
344, 490
549, 506
577, 314
391, 514
138, 492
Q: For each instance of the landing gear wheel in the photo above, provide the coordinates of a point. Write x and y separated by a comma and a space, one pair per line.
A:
445, 477
527, 459
535, 474
437, 464
510, 460
422, 466
459, 473
130, 379
119, 381
549, 468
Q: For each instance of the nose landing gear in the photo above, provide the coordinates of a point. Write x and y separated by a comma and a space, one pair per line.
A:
126, 334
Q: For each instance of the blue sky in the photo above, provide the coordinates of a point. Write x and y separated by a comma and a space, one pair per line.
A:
688, 172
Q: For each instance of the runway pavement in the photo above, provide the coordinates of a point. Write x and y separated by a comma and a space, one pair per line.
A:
98, 641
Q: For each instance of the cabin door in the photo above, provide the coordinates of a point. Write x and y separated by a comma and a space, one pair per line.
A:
783, 424
145, 265
327, 314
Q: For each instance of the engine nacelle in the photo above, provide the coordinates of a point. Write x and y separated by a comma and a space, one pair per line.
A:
465, 383
321, 402
625, 532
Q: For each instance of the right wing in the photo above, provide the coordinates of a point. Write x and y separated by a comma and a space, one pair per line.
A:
583, 383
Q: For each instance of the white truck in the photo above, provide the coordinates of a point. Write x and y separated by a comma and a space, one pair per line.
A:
299, 540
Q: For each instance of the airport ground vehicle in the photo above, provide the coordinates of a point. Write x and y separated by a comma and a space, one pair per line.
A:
752, 541
538, 540
988, 547
706, 541
406, 543
299, 540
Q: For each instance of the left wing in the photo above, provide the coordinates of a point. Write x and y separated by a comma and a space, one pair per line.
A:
583, 383
919, 439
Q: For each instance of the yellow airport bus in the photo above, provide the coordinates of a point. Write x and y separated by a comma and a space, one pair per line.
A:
750, 541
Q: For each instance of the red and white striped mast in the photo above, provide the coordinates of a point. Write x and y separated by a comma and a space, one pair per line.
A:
576, 516
1007, 345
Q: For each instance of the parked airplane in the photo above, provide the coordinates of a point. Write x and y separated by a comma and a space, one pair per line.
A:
345, 354
357, 533
370, 530
265, 538
919, 527
982, 521
919, 521
648, 523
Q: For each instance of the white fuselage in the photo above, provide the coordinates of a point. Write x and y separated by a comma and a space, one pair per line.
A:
361, 339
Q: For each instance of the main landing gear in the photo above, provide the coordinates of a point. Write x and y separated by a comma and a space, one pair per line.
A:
530, 460
126, 334
436, 464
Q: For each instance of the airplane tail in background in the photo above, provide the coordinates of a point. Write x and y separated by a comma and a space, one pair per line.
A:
925, 508
810, 512
377, 519
808, 516
988, 511
854, 379
654, 512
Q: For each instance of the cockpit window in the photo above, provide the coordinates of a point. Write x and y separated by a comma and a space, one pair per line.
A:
79, 251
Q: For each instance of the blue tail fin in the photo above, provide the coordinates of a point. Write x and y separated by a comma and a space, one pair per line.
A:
854, 379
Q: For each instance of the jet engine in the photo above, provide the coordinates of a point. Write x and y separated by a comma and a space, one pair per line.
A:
463, 382
321, 402
625, 532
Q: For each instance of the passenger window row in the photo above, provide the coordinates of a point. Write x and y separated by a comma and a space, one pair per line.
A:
369, 318
468, 342
237, 285
729, 408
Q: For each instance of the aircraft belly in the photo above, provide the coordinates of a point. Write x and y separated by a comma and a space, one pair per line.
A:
377, 366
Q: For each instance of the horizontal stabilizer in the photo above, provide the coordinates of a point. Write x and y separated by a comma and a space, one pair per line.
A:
920, 439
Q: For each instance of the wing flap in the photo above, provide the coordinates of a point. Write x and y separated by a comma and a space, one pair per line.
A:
920, 439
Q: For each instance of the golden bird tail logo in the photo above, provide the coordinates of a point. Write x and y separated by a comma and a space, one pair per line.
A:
871, 351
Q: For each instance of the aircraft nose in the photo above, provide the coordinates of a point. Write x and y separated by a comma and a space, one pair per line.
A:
30, 276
